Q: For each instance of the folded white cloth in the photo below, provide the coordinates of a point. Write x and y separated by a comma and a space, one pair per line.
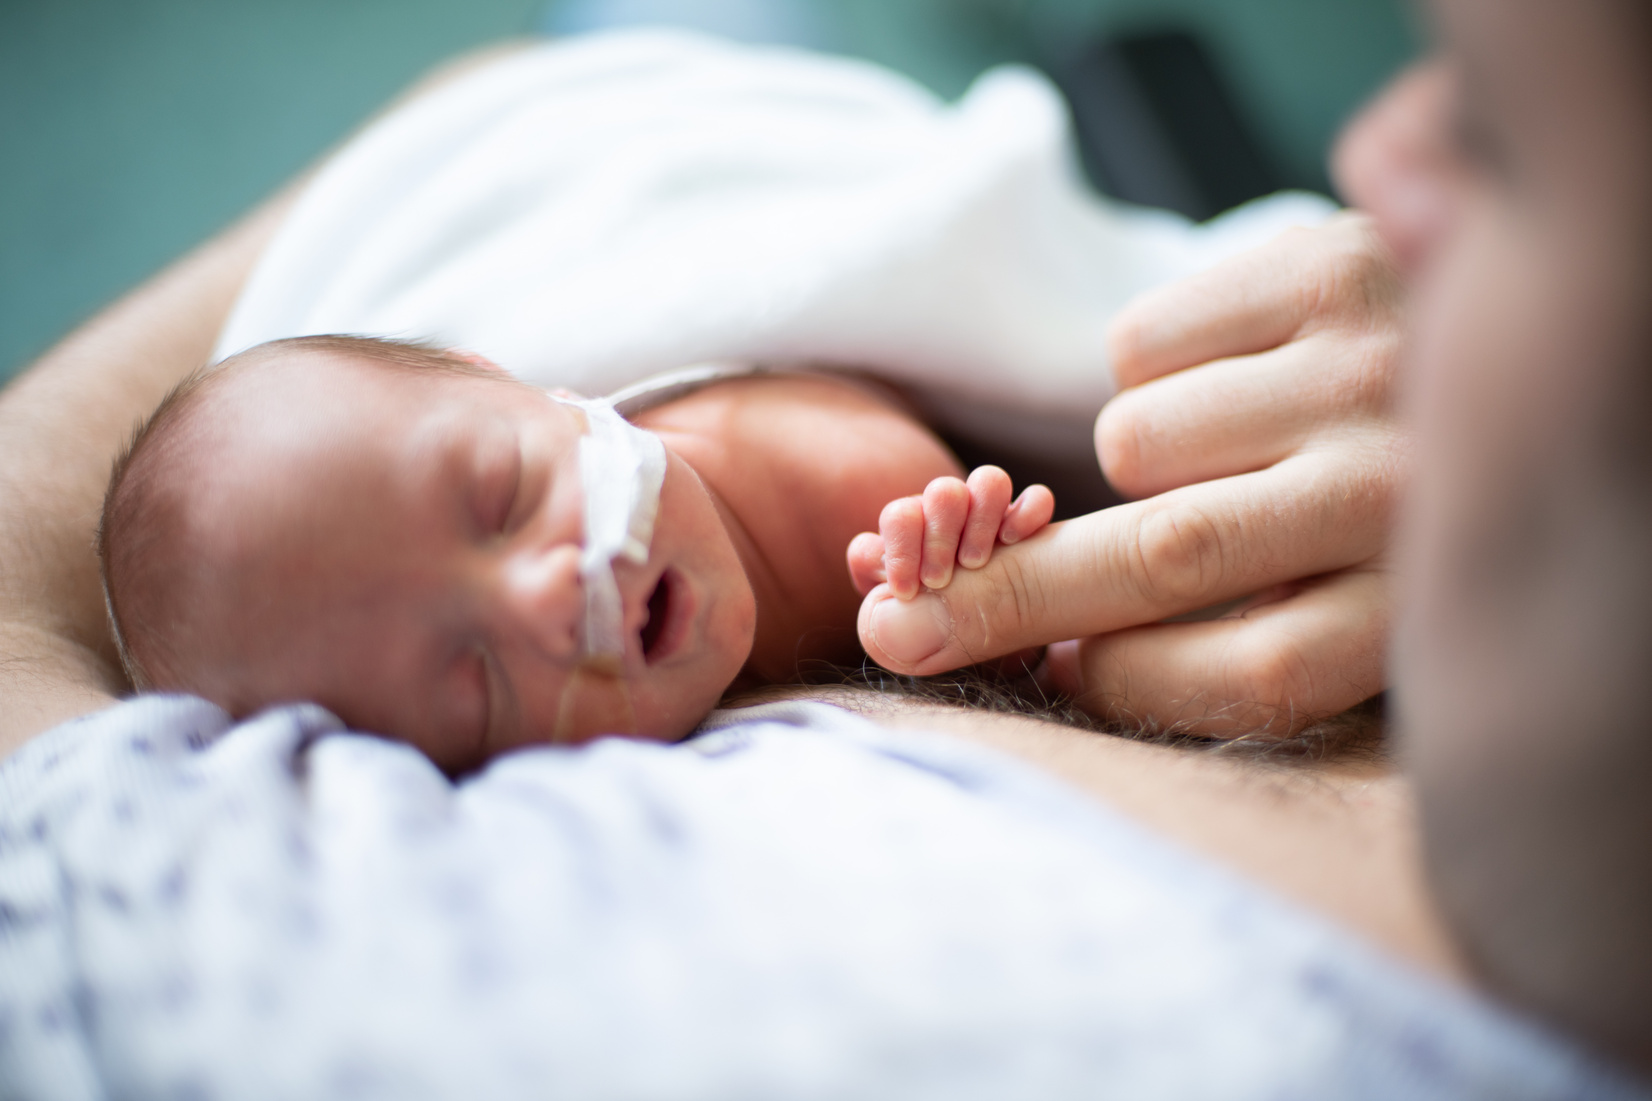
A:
590, 212
798, 905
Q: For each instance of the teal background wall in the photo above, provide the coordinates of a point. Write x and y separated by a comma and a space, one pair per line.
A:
133, 129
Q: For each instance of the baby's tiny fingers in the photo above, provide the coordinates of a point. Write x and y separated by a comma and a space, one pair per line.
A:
902, 526
866, 562
989, 495
946, 507
1029, 514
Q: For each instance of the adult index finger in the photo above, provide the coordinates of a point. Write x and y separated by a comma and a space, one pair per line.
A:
1134, 564
1253, 302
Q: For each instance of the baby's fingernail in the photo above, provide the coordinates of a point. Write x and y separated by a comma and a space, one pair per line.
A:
908, 631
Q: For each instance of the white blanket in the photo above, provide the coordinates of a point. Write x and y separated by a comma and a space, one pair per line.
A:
590, 212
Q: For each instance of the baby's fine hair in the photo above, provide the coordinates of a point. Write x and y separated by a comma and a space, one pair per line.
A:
143, 557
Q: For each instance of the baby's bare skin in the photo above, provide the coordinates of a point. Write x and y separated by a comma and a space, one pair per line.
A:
401, 543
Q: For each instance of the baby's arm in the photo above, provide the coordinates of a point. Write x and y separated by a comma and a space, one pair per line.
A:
920, 538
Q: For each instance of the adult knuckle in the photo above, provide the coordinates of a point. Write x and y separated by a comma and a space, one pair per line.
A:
1345, 268
1179, 552
1360, 280
1360, 231
1341, 276
1359, 372
1275, 671
1381, 349
1395, 458
1374, 482
1020, 608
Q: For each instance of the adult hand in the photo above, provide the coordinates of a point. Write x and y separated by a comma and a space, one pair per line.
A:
1256, 420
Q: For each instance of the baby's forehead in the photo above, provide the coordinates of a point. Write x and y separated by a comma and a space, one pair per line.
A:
300, 408
366, 364
288, 385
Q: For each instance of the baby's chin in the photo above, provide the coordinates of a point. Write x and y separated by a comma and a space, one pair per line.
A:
670, 713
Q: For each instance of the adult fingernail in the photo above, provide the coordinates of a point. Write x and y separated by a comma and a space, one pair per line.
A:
908, 631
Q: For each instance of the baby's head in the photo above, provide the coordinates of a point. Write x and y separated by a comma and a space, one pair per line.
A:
395, 533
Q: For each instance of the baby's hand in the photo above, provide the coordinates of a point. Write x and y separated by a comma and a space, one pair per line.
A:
919, 538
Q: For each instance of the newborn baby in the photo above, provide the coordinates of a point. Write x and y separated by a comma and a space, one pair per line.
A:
403, 535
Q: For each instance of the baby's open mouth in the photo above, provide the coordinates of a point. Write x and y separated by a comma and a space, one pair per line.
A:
663, 632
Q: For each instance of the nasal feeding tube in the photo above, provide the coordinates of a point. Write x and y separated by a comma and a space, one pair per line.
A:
621, 471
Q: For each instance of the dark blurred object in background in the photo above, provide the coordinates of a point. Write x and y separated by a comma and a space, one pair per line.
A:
1157, 125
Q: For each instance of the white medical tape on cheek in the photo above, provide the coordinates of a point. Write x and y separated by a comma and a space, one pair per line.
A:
621, 470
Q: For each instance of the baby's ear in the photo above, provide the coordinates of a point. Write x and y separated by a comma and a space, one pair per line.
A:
475, 359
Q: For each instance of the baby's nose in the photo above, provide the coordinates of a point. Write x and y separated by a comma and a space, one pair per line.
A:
546, 600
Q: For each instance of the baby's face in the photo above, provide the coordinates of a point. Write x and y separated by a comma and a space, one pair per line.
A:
403, 547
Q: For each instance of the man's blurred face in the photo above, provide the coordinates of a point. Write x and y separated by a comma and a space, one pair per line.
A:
1529, 237
1523, 205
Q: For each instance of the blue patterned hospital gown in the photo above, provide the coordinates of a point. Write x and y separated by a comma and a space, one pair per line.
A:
795, 905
